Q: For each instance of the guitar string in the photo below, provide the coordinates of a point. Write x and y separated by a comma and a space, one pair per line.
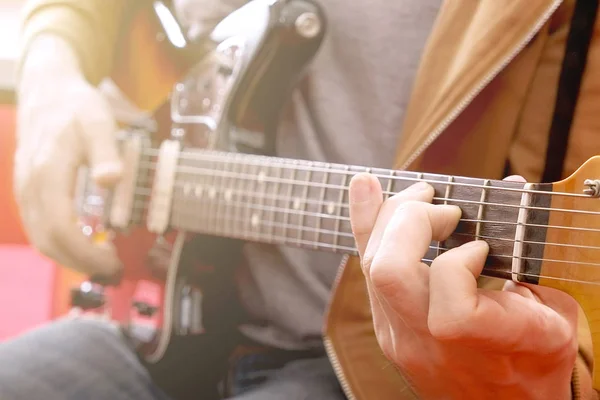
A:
142, 205
145, 191
256, 235
349, 235
242, 206
242, 176
138, 204
303, 165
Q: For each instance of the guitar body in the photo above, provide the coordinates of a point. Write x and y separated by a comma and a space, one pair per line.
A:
176, 300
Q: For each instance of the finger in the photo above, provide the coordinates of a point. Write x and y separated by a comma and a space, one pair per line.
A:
514, 178
503, 320
559, 301
521, 290
58, 205
397, 273
99, 130
419, 192
366, 198
453, 288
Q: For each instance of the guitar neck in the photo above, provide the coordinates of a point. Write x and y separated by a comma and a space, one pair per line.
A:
305, 204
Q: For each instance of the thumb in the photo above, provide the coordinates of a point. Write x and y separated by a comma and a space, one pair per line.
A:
102, 152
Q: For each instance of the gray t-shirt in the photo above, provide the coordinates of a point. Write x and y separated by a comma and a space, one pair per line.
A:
358, 88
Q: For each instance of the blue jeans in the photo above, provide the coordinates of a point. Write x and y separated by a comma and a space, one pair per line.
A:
76, 359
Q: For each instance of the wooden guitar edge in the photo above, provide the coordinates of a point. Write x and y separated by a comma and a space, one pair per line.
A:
578, 280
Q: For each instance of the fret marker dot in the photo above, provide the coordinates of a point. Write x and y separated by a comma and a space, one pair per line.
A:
228, 195
198, 191
254, 220
330, 207
212, 192
296, 204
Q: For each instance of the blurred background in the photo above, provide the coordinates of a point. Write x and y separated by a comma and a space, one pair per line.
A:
33, 289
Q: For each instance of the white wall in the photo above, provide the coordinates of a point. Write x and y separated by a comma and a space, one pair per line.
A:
9, 31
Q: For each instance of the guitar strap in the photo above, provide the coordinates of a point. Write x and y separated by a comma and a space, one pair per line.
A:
569, 85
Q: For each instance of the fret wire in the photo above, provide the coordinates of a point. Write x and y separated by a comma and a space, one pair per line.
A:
213, 195
201, 190
290, 164
262, 175
276, 190
389, 184
286, 216
219, 183
446, 198
239, 211
228, 197
303, 202
322, 200
249, 215
480, 209
338, 213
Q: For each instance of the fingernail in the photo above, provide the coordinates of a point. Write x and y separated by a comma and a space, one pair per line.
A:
107, 174
360, 189
417, 187
482, 244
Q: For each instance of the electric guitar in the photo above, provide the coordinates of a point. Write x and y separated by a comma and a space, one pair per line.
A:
201, 182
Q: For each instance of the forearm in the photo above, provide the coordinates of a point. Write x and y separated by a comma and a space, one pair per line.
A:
89, 27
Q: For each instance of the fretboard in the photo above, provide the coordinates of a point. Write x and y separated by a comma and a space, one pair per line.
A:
305, 204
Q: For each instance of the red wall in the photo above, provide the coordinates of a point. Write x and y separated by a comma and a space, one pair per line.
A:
10, 225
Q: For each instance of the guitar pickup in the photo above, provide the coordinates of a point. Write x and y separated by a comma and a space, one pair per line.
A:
159, 209
123, 197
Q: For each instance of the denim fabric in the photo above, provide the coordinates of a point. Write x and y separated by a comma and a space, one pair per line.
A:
77, 359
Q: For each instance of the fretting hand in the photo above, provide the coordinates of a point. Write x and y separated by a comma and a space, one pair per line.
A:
451, 339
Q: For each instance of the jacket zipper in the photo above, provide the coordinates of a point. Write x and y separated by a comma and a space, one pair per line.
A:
455, 112
335, 363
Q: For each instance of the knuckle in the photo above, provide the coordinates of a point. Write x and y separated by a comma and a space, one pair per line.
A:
411, 212
367, 261
409, 207
445, 258
449, 326
385, 274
